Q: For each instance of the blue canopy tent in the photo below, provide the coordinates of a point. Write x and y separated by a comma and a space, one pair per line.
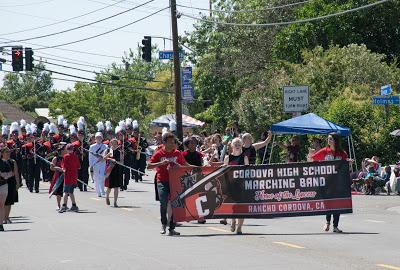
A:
311, 124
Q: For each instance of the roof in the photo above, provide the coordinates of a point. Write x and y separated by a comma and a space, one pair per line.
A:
13, 113
44, 112
187, 121
309, 124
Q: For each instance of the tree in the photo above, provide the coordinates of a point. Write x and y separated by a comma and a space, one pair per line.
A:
376, 27
29, 90
112, 100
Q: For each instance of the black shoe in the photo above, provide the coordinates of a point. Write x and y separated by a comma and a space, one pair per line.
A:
1, 228
223, 222
31, 190
173, 233
137, 181
37, 191
201, 221
74, 208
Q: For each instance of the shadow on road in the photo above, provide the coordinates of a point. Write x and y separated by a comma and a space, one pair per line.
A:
136, 191
273, 234
86, 212
21, 222
128, 206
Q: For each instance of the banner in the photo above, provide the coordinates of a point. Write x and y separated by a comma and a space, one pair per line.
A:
262, 191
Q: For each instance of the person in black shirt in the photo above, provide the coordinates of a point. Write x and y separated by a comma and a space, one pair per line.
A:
250, 148
192, 156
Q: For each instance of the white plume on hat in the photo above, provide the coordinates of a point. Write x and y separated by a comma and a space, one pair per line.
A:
65, 123
33, 128
128, 122
81, 123
52, 128
108, 126
14, 127
135, 124
100, 126
81, 119
4, 130
60, 120
118, 129
172, 125
164, 130
28, 129
46, 127
72, 129
122, 125
22, 123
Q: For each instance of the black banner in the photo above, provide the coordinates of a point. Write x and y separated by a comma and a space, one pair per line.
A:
263, 191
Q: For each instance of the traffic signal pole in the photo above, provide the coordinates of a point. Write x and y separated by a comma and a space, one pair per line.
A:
177, 72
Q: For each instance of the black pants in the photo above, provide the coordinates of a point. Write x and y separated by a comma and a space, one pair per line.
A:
336, 218
24, 169
45, 171
140, 165
126, 173
33, 174
83, 175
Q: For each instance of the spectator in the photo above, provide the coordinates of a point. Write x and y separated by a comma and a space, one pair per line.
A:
292, 150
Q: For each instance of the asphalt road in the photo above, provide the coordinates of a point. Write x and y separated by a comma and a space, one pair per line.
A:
103, 237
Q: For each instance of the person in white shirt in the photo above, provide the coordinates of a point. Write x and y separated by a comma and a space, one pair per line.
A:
97, 161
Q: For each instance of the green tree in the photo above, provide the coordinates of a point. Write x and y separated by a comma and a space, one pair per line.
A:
29, 90
377, 27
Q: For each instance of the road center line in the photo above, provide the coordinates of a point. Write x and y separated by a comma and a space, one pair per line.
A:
388, 266
289, 245
96, 199
375, 221
217, 229
127, 209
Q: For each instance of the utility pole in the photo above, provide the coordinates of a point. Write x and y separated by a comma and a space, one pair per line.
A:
210, 8
177, 72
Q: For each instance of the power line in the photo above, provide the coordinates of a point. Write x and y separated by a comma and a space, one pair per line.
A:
102, 73
108, 83
63, 21
291, 22
74, 61
86, 64
104, 33
82, 26
246, 11
147, 9
28, 4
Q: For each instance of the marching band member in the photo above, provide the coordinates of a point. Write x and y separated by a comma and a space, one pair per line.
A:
4, 133
98, 163
22, 139
114, 172
15, 144
83, 173
140, 157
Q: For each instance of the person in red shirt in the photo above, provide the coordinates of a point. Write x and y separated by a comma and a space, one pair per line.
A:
333, 151
70, 165
164, 158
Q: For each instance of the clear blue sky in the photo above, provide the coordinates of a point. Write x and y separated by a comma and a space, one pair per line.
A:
35, 13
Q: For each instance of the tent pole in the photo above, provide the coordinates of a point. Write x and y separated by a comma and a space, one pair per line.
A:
350, 155
354, 152
272, 148
265, 153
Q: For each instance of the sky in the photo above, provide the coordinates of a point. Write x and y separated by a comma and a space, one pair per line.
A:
18, 16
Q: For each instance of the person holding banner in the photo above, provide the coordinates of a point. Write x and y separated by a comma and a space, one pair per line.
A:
333, 151
237, 158
57, 183
71, 166
164, 158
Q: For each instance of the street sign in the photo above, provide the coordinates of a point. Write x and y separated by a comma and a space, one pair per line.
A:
386, 100
168, 55
386, 90
187, 85
295, 98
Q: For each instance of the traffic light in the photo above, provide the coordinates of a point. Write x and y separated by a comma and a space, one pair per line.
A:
28, 59
17, 59
146, 49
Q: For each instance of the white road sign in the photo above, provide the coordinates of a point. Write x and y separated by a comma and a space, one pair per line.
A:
296, 98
